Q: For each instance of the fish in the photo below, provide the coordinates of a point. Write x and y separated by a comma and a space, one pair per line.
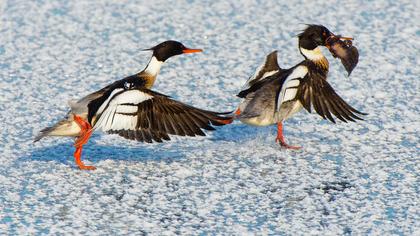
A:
344, 49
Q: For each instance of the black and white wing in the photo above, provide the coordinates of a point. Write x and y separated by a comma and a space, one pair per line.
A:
144, 115
289, 85
267, 69
317, 92
81, 106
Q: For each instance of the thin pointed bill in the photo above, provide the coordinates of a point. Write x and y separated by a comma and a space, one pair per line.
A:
191, 50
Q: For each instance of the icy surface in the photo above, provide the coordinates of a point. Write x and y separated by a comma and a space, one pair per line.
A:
356, 178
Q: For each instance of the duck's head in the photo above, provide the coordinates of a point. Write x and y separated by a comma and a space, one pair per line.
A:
170, 48
315, 36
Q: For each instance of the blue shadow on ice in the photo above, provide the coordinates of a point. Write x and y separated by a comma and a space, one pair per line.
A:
63, 153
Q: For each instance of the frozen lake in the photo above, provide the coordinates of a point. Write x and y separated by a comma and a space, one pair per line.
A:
349, 178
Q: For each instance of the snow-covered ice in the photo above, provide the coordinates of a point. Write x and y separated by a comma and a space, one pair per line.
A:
351, 179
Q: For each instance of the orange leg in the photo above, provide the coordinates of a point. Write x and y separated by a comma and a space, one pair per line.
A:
281, 140
85, 133
237, 112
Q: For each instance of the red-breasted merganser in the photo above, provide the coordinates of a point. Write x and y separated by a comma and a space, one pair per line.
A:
129, 108
273, 94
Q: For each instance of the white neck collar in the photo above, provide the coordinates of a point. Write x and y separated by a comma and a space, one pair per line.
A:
313, 55
153, 67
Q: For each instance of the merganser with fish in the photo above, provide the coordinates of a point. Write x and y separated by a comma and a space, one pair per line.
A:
273, 95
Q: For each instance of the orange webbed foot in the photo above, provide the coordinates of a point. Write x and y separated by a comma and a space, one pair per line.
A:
79, 162
83, 167
283, 144
280, 138
287, 146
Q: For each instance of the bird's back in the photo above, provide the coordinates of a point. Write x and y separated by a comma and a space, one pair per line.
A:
259, 104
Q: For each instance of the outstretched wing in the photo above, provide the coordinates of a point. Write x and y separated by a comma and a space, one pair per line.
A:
144, 115
267, 69
317, 92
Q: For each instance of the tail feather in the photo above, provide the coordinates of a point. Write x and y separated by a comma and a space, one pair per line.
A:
43, 133
65, 127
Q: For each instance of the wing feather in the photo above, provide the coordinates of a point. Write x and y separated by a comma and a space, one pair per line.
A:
267, 69
154, 118
316, 92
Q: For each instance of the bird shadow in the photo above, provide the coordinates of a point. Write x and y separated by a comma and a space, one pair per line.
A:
144, 152
167, 151
63, 153
238, 132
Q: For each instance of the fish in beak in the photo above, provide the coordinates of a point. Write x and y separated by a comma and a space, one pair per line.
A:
342, 47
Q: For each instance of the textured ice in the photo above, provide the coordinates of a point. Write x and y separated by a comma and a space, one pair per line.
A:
352, 179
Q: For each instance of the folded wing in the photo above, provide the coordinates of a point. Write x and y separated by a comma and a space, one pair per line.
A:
267, 69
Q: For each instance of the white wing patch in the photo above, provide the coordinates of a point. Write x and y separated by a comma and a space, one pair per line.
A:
116, 104
122, 122
102, 107
290, 94
293, 83
131, 96
255, 78
126, 109
288, 91
267, 74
